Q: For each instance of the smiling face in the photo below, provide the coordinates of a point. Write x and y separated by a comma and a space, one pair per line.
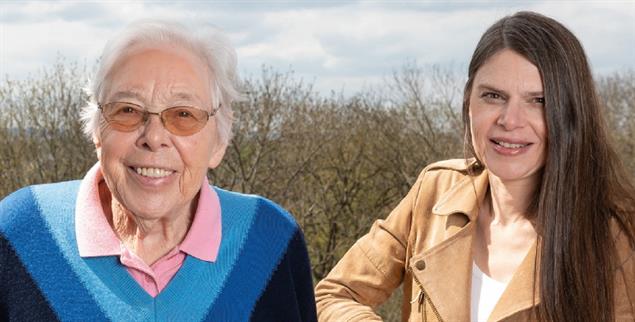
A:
507, 119
150, 171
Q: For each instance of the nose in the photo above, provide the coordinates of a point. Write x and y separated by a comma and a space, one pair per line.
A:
154, 135
512, 115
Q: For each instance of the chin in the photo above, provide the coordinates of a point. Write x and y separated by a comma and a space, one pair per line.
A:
148, 207
513, 172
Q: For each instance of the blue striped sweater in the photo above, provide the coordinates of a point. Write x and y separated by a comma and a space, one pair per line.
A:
262, 272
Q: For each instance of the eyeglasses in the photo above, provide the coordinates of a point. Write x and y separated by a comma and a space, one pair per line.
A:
179, 120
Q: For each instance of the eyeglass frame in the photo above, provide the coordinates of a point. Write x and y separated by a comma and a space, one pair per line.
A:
146, 114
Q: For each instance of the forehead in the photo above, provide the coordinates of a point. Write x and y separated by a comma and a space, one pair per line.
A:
507, 68
162, 72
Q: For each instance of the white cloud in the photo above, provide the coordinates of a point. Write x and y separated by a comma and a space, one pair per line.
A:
339, 45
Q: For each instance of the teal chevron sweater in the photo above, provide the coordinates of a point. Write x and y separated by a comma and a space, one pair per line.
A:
262, 271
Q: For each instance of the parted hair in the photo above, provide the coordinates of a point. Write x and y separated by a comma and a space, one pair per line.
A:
584, 186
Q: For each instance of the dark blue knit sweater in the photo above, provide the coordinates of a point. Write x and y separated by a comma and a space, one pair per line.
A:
262, 271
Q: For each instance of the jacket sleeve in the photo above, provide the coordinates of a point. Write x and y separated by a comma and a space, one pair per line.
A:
371, 270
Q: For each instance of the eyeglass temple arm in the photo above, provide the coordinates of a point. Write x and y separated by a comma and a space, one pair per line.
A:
214, 110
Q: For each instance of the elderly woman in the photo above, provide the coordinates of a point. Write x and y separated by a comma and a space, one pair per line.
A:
540, 225
144, 237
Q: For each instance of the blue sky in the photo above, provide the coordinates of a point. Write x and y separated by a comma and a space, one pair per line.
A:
337, 45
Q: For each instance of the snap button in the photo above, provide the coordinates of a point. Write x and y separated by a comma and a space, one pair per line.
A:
420, 264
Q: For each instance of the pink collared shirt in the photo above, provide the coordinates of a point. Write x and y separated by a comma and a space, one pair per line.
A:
95, 236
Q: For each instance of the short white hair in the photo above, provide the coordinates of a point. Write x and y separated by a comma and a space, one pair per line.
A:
208, 43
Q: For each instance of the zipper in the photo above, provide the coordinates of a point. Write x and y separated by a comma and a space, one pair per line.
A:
421, 299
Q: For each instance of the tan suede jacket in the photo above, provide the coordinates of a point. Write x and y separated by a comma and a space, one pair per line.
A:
425, 243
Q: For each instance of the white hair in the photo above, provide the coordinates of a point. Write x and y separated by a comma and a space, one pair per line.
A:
208, 43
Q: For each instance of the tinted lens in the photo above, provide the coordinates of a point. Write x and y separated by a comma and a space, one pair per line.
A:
123, 116
184, 120
179, 120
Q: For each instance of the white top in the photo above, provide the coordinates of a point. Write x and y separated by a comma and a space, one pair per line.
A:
485, 294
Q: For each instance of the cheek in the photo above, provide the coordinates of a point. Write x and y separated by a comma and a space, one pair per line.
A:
478, 132
113, 149
194, 153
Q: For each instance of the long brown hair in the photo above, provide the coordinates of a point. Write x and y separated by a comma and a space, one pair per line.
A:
584, 185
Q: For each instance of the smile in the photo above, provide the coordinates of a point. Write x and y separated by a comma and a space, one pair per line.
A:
153, 172
511, 145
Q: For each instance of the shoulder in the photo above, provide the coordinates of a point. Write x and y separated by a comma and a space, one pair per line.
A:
18, 199
28, 200
451, 167
28, 194
262, 207
625, 250
624, 273
444, 175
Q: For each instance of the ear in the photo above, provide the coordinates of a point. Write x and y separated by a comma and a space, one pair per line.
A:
217, 155
97, 143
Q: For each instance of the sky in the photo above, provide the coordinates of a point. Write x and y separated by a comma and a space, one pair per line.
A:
341, 46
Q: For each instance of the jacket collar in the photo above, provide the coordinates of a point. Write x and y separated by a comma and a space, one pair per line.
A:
464, 196
447, 276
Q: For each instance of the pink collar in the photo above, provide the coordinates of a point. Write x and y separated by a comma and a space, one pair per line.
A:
95, 237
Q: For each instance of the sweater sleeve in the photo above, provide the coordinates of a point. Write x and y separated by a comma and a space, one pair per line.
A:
300, 267
20, 297
4, 314
289, 293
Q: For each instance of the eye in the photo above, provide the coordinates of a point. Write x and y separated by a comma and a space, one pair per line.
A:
125, 109
184, 114
128, 109
492, 97
539, 100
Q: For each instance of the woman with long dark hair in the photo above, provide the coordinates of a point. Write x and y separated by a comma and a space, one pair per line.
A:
536, 223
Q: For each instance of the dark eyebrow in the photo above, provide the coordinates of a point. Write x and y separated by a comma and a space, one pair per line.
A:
534, 94
488, 87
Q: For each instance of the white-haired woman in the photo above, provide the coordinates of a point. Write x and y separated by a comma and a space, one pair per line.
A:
144, 236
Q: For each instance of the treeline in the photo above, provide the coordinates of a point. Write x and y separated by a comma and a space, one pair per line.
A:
336, 163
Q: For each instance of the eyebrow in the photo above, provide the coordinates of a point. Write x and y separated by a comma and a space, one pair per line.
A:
494, 89
184, 97
179, 96
127, 94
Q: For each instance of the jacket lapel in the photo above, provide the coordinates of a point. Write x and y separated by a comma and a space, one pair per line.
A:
519, 294
446, 276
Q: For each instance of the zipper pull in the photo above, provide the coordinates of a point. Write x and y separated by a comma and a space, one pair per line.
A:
419, 299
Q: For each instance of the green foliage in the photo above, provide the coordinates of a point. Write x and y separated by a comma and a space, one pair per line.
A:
337, 164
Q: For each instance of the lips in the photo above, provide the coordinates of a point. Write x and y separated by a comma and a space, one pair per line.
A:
152, 172
509, 145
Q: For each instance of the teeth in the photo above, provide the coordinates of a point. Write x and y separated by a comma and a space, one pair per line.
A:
153, 172
510, 145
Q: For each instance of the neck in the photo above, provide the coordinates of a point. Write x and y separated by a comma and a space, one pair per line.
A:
509, 200
150, 238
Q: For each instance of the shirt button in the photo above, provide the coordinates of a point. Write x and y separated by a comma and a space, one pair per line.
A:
420, 264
